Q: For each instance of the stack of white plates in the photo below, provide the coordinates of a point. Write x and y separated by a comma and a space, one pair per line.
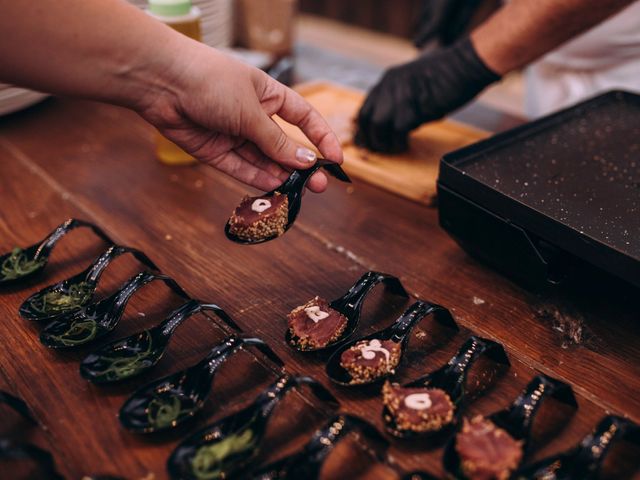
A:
13, 98
217, 20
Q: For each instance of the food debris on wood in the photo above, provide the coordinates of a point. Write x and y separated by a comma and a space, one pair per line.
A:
570, 325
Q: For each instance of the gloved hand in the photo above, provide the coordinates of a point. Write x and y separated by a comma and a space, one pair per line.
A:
420, 91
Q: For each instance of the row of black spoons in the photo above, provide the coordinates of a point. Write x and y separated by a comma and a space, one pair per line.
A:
170, 401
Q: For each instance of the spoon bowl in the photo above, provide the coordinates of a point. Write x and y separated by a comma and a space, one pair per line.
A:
517, 419
73, 293
172, 400
349, 306
22, 264
98, 319
452, 379
293, 188
137, 353
395, 337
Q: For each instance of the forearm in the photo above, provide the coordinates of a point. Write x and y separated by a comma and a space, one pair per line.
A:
102, 49
524, 30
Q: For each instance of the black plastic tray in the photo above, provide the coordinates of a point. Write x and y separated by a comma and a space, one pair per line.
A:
561, 188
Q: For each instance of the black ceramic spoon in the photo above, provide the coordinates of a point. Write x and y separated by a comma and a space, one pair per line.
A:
398, 332
307, 463
23, 263
77, 291
224, 447
11, 450
584, 462
350, 305
452, 378
171, 400
293, 188
517, 419
137, 353
97, 319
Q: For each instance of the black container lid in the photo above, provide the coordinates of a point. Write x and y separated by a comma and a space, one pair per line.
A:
572, 179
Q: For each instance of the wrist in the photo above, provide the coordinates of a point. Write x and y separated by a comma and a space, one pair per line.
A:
151, 75
472, 64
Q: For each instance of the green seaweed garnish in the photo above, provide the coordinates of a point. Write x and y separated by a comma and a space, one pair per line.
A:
79, 331
212, 460
17, 265
163, 412
122, 367
59, 301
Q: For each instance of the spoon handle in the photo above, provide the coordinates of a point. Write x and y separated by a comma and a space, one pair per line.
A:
186, 310
114, 251
46, 245
334, 170
298, 178
592, 451
13, 450
351, 302
265, 349
140, 280
474, 348
224, 316
232, 344
178, 316
219, 354
415, 313
269, 398
519, 417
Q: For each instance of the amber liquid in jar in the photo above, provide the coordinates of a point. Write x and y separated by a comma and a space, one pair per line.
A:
167, 151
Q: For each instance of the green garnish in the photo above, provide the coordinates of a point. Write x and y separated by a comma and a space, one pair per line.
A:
17, 265
211, 461
122, 367
58, 301
80, 331
163, 412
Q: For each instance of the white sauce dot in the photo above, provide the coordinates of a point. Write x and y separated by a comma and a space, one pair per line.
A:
369, 351
418, 401
315, 314
260, 205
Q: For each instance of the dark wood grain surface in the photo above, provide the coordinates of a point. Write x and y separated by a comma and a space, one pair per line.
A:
80, 159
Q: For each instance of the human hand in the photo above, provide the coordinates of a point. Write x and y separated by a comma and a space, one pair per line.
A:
219, 110
420, 91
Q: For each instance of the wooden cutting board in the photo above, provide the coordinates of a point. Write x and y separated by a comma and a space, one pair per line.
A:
413, 174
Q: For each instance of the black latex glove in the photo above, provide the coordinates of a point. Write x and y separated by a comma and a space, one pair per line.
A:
417, 92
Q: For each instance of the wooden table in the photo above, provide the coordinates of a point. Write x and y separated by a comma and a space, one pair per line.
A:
79, 159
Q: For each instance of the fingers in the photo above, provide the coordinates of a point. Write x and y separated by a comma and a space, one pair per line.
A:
250, 153
275, 144
297, 111
246, 168
318, 182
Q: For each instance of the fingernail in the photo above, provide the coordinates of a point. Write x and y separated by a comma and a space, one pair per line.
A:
305, 155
